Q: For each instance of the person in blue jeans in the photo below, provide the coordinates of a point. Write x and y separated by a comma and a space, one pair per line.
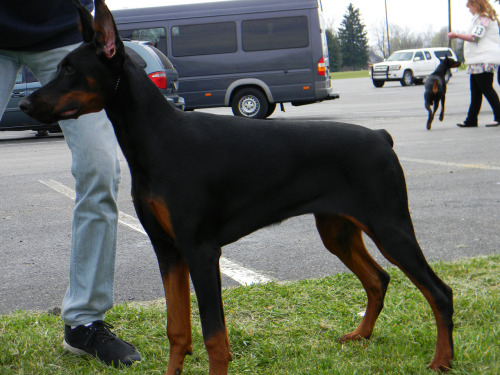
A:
38, 35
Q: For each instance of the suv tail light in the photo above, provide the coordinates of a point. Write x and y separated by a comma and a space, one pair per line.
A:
321, 67
159, 79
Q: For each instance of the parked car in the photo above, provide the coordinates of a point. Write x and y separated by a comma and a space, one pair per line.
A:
154, 62
410, 66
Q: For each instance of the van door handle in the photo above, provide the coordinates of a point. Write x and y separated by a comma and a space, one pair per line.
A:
18, 94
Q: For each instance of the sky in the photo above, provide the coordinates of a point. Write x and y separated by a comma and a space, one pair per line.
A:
418, 16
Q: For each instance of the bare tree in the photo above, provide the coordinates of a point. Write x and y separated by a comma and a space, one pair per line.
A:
401, 38
440, 39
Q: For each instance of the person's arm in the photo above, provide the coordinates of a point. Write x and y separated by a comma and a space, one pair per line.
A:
466, 37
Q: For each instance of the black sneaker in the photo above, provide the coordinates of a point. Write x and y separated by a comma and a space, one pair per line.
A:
98, 341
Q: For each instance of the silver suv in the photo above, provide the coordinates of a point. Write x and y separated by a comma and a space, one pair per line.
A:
155, 63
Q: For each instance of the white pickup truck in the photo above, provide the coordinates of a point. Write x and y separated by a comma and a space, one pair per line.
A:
410, 66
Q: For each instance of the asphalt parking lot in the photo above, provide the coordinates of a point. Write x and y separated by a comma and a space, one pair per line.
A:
453, 179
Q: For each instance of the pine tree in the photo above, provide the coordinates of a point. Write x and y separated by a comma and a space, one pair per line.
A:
334, 51
353, 40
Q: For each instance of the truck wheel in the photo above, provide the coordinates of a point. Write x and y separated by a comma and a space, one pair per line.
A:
250, 103
407, 79
378, 82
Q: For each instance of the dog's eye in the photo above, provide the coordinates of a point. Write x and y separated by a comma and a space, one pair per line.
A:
65, 67
68, 69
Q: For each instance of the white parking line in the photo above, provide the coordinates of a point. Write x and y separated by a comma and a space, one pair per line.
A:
449, 164
240, 274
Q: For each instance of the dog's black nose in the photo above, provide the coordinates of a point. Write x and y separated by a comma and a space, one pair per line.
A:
25, 105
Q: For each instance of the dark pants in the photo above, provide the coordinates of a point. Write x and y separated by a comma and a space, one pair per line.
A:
482, 84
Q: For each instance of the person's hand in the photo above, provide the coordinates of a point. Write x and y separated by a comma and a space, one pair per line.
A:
452, 35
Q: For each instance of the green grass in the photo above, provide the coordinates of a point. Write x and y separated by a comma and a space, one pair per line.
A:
291, 328
344, 75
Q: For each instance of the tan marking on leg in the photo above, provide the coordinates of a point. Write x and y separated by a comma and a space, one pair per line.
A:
162, 214
344, 239
178, 297
444, 343
219, 354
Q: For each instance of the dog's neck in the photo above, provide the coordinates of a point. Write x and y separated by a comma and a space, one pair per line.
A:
136, 100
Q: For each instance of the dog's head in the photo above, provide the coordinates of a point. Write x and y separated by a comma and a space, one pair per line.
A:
87, 77
450, 63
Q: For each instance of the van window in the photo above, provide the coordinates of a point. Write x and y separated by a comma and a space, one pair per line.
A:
275, 33
155, 35
204, 39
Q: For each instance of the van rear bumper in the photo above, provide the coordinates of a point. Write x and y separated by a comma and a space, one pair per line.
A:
330, 96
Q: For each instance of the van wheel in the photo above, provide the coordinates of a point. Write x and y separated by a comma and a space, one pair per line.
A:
270, 109
251, 103
378, 82
407, 78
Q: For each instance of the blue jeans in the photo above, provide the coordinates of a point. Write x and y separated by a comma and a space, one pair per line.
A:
96, 169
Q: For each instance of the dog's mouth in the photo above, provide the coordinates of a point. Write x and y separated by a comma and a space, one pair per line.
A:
70, 113
46, 113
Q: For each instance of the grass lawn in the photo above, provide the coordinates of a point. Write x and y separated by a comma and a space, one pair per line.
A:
343, 75
291, 328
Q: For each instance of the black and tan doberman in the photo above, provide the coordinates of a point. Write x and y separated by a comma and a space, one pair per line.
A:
435, 89
202, 181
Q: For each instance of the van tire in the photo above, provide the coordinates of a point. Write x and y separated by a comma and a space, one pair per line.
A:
270, 109
378, 82
250, 103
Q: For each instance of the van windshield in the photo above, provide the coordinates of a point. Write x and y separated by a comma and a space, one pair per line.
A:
400, 56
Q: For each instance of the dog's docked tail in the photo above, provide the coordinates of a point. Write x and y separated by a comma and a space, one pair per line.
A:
386, 136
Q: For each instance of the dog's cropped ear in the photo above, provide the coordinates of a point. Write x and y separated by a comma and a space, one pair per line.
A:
86, 22
106, 38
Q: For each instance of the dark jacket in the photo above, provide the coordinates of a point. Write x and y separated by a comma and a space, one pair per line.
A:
39, 25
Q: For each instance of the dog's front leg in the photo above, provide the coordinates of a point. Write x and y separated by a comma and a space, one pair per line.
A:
205, 275
155, 218
441, 115
177, 295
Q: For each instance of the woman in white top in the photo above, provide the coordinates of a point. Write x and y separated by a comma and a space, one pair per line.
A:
482, 56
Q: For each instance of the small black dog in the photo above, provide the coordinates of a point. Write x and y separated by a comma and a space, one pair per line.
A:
435, 88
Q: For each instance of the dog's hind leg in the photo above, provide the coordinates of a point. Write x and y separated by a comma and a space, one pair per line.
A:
344, 239
395, 238
203, 261
430, 118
